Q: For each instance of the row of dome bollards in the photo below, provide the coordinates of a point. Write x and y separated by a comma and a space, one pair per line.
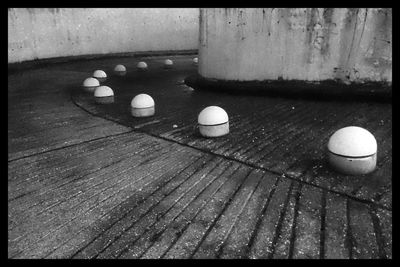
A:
352, 150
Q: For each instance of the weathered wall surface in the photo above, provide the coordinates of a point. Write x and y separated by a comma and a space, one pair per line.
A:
36, 33
314, 44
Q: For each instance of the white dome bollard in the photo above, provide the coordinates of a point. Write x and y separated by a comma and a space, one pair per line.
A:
352, 150
100, 75
120, 70
104, 95
168, 63
90, 84
142, 105
142, 66
213, 122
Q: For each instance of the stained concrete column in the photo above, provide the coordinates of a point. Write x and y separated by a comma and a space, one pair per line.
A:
307, 44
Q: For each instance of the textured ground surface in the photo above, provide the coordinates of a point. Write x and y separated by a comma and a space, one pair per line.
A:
90, 181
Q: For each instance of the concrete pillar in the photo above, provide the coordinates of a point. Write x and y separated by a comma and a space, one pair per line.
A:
307, 44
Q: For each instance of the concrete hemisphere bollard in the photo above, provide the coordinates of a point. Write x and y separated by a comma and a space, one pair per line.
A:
90, 84
168, 63
142, 105
213, 121
352, 150
142, 66
100, 75
104, 95
120, 70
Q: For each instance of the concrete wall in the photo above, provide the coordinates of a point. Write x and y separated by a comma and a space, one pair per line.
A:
314, 44
36, 33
